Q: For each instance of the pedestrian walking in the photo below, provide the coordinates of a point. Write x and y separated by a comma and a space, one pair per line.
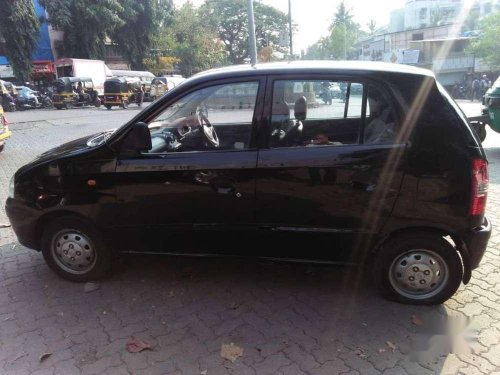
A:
475, 89
485, 84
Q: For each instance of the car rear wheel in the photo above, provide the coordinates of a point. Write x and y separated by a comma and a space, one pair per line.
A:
74, 249
418, 268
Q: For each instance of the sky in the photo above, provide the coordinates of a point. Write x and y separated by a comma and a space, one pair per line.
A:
314, 16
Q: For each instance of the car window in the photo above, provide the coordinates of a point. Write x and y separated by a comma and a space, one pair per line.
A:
333, 116
213, 118
380, 123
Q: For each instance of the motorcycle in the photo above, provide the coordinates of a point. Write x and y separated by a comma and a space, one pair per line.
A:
8, 103
24, 104
460, 92
45, 100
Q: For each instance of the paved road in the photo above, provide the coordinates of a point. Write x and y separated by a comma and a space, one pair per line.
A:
288, 319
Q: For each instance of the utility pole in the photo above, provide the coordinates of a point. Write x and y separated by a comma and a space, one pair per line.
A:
290, 27
251, 32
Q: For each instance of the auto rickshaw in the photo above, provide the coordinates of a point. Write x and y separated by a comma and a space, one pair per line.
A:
490, 112
120, 91
491, 105
4, 130
74, 92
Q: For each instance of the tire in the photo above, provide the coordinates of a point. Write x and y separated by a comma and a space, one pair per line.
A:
108, 106
86, 257
2, 147
124, 104
427, 253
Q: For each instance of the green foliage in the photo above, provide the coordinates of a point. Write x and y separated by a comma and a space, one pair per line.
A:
487, 46
85, 23
189, 40
20, 27
340, 44
230, 19
141, 20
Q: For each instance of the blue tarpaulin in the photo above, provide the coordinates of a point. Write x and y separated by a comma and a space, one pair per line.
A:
43, 49
3, 60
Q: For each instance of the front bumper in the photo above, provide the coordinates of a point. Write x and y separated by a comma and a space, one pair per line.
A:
476, 243
24, 220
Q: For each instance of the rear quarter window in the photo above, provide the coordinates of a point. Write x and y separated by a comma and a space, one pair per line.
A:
439, 135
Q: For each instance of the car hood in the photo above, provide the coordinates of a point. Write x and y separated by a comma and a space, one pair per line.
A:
75, 146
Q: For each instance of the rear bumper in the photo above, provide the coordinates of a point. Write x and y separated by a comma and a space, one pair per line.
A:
24, 222
477, 241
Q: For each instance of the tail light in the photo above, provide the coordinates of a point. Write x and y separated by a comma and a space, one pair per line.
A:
479, 186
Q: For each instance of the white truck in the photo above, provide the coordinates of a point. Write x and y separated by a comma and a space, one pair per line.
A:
95, 69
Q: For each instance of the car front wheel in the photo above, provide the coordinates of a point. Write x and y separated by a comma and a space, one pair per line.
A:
419, 268
74, 249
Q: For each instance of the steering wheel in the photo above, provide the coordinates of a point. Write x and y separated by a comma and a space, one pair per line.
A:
208, 129
291, 136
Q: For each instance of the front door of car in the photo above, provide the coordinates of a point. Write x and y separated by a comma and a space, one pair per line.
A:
332, 170
199, 174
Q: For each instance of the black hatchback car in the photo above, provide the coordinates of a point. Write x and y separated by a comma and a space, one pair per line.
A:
250, 161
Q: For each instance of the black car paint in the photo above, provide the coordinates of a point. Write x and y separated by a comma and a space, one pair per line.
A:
140, 204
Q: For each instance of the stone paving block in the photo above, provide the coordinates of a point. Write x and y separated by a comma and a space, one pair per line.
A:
271, 364
289, 319
337, 366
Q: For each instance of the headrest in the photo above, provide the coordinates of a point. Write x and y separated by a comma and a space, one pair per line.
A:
300, 109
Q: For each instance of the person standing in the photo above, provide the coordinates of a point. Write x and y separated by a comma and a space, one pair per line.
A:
485, 84
475, 89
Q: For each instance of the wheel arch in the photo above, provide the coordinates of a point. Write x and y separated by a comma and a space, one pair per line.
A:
439, 230
45, 219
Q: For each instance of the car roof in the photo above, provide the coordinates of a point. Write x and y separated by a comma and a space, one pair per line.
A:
314, 66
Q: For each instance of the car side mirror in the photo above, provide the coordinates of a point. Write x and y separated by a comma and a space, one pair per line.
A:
137, 140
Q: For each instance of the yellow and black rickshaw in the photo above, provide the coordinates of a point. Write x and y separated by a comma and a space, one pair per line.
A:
121, 91
74, 92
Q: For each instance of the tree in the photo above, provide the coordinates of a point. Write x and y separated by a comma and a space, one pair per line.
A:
141, 20
230, 19
372, 26
343, 16
86, 24
340, 44
19, 26
188, 39
487, 46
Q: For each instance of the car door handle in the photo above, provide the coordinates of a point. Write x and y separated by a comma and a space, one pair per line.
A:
225, 189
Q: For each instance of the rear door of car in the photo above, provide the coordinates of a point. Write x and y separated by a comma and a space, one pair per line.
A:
342, 191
